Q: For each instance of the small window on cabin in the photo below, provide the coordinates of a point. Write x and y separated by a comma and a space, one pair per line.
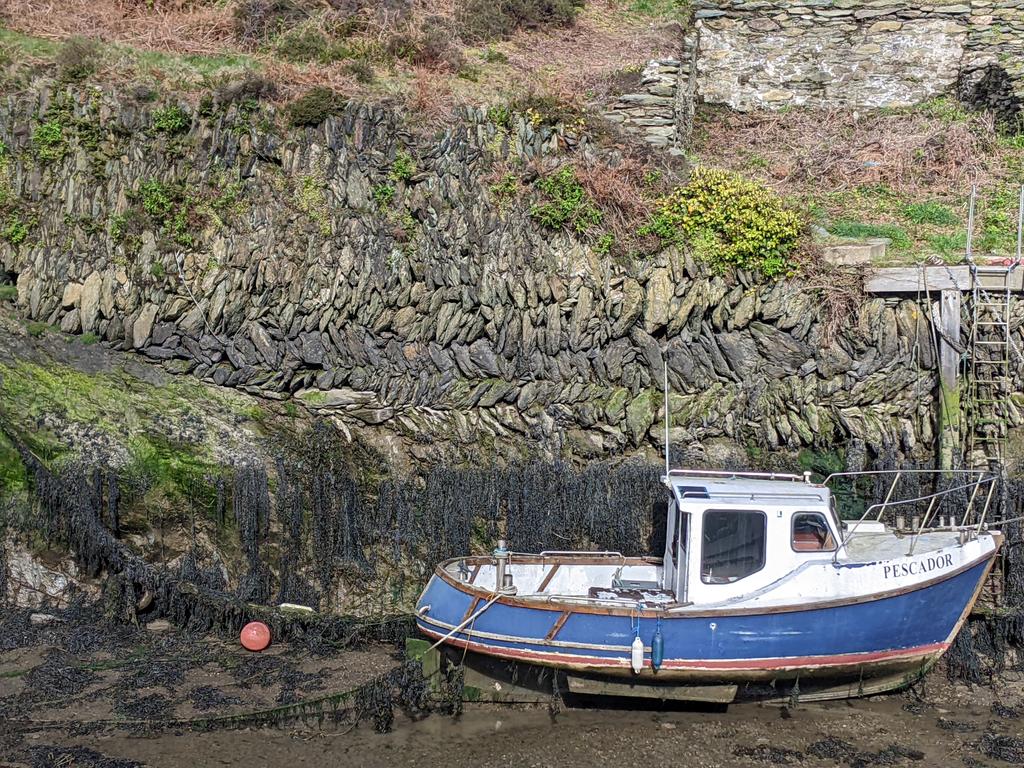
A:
734, 545
811, 533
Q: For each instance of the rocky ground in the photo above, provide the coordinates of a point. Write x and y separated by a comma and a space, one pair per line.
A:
77, 691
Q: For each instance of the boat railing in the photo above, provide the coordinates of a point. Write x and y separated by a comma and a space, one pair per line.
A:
581, 553
970, 490
804, 478
748, 495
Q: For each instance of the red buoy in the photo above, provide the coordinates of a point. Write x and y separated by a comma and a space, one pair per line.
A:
255, 636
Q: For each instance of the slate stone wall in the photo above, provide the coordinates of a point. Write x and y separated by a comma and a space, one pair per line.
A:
446, 318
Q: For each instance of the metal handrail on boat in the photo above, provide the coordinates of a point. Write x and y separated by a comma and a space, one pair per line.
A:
581, 553
804, 478
976, 479
751, 496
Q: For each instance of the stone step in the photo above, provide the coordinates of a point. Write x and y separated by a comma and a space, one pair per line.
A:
853, 254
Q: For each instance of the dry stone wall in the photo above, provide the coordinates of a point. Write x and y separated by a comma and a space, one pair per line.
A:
443, 316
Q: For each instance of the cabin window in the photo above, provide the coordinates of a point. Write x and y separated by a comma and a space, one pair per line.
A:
811, 533
734, 545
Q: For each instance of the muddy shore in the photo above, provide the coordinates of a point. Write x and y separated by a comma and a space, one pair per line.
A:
76, 694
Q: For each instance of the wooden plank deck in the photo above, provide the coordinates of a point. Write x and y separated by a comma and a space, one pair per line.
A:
914, 280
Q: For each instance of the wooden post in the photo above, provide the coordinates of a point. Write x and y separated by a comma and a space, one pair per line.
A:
949, 378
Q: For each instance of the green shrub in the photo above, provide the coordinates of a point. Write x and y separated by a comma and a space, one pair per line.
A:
305, 45
361, 70
315, 106
171, 120
383, 195
312, 200
49, 141
403, 167
858, 229
36, 329
729, 221
500, 115
156, 199
16, 230
8, 292
483, 20
605, 243
88, 339
506, 188
930, 213
258, 20
565, 203
78, 59
492, 55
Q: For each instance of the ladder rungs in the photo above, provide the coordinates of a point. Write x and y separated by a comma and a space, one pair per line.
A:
991, 343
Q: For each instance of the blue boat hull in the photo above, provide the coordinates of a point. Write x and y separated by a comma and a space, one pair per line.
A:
895, 636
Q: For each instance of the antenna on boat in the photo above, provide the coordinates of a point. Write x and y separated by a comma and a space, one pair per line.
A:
665, 371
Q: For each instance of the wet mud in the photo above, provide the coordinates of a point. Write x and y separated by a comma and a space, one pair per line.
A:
78, 691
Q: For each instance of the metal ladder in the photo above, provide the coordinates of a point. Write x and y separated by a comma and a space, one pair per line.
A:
991, 348
991, 380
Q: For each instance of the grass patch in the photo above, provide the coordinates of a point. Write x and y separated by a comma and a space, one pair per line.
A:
950, 246
665, 9
860, 230
930, 213
27, 45
8, 292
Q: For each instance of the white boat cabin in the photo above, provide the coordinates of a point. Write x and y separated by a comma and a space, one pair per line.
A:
729, 536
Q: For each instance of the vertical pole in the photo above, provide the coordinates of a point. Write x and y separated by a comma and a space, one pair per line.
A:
1020, 225
667, 467
970, 225
949, 379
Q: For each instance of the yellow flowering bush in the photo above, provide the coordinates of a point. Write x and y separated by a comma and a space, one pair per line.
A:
734, 220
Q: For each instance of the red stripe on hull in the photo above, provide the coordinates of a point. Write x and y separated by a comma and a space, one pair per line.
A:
738, 665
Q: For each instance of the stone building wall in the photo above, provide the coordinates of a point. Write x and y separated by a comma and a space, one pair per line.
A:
833, 53
447, 317
855, 54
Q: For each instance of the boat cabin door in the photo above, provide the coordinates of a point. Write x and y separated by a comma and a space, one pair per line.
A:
677, 541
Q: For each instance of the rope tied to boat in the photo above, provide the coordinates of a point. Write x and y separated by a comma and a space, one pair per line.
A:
473, 617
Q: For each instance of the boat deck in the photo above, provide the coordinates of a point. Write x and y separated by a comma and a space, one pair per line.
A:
870, 547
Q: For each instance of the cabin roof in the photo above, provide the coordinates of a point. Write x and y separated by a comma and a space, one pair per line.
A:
784, 489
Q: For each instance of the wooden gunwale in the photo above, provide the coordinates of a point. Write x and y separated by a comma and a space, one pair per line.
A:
549, 604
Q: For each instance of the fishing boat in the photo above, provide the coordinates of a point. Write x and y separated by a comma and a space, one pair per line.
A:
762, 592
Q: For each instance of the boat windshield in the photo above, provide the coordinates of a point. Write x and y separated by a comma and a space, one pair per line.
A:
734, 545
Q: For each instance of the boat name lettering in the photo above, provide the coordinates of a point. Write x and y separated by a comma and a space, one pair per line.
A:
916, 567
